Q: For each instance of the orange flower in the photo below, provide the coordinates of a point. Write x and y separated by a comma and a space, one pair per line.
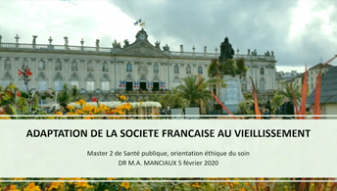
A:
13, 188
58, 113
111, 178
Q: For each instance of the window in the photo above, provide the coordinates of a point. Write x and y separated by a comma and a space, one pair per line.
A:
58, 83
42, 65
74, 66
188, 69
311, 79
58, 65
156, 69
129, 67
105, 67
41, 83
24, 65
74, 81
7, 80
261, 71
90, 83
200, 70
105, 83
262, 84
176, 69
312, 86
8, 65
244, 85
90, 67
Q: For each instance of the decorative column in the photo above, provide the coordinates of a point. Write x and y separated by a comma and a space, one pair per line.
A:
66, 41
50, 41
82, 42
34, 41
17, 41
181, 49
0, 40
193, 49
205, 50
97, 45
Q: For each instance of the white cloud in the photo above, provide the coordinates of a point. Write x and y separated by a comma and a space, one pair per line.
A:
88, 19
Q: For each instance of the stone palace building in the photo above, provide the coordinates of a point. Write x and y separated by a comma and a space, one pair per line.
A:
107, 72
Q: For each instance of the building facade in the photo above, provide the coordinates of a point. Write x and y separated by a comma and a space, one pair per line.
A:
136, 69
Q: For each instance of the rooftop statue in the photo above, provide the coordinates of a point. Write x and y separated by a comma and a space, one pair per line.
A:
227, 51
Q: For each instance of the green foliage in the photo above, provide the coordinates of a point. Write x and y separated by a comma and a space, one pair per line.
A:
173, 99
154, 97
286, 91
64, 96
75, 93
277, 101
213, 69
230, 67
194, 90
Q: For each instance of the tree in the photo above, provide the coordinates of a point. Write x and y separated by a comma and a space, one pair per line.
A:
173, 99
75, 94
276, 101
64, 96
286, 91
194, 90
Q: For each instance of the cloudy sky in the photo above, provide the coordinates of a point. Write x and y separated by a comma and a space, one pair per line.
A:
298, 31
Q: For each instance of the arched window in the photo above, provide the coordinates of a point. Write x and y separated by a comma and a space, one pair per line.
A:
42, 83
176, 82
262, 85
74, 81
90, 67
105, 67
244, 85
200, 70
24, 65
105, 83
156, 68
74, 66
58, 81
42, 65
7, 80
90, 83
261, 71
129, 67
58, 65
8, 64
176, 69
188, 69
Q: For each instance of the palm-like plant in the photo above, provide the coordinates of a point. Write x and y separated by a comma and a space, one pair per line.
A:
194, 90
286, 91
173, 99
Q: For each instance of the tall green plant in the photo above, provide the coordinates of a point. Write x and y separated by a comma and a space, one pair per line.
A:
194, 90
64, 96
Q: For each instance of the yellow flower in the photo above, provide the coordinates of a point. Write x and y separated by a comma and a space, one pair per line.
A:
86, 117
125, 185
82, 185
236, 183
55, 185
87, 108
18, 178
196, 185
79, 112
79, 189
82, 102
13, 188
31, 187
111, 178
243, 189
71, 107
